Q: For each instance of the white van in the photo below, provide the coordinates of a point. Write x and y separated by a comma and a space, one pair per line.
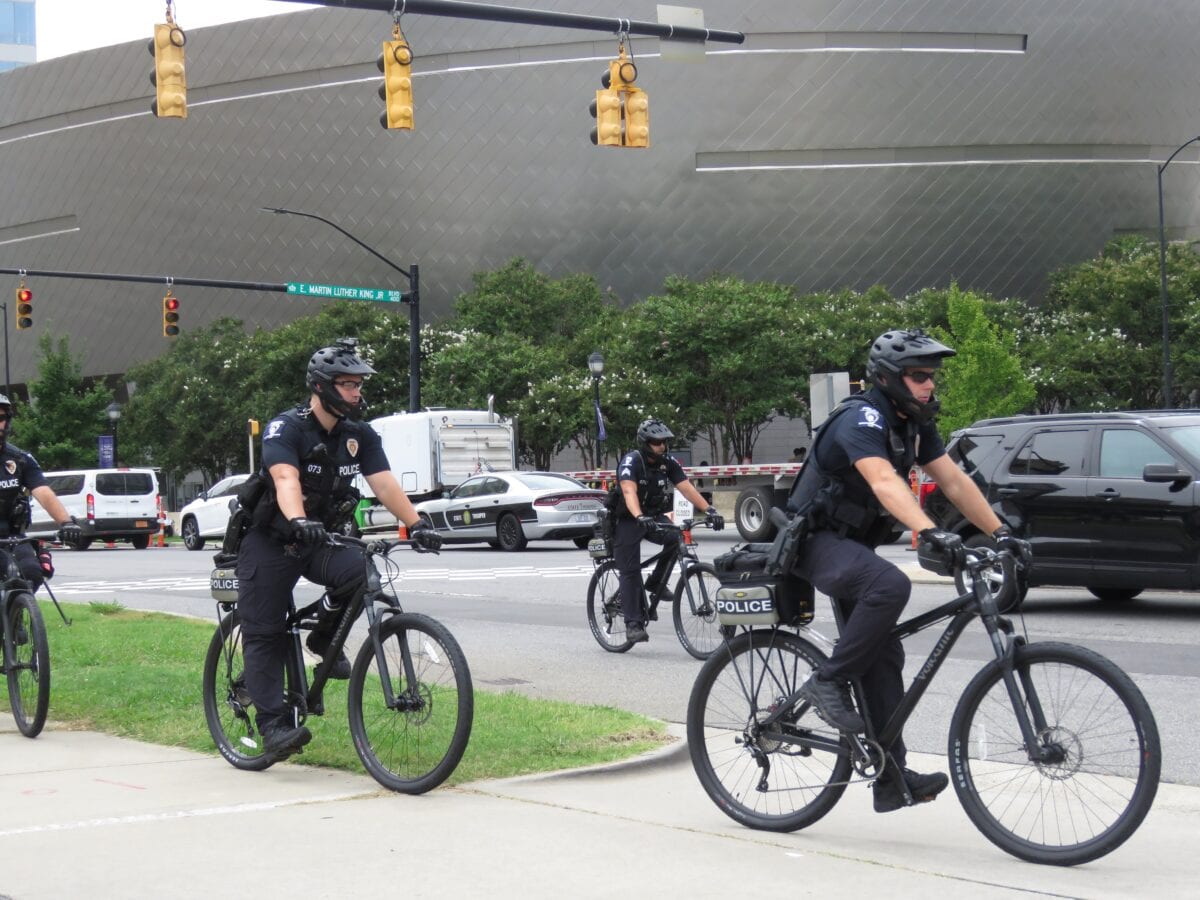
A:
110, 504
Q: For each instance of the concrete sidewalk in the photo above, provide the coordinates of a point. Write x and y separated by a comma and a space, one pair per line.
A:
88, 815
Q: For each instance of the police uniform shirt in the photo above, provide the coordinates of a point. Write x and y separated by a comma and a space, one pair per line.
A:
352, 449
863, 432
655, 482
19, 472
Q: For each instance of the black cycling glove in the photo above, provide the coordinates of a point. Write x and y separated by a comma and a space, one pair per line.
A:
424, 537
715, 519
70, 532
939, 551
649, 525
307, 531
1020, 549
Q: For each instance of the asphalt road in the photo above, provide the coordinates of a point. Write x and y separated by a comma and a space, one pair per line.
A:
521, 621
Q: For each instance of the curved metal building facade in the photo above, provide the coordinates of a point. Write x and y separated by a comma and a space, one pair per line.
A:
902, 142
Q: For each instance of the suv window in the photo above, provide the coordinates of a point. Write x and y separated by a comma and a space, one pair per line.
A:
970, 450
1052, 453
65, 485
1187, 437
124, 484
1124, 453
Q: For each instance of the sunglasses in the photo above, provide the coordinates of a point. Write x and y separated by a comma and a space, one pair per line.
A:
349, 385
920, 377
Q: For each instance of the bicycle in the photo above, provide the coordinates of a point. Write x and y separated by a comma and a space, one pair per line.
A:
693, 606
1054, 752
26, 651
410, 696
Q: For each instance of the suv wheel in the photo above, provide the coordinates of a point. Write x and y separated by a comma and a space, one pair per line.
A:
1115, 595
191, 534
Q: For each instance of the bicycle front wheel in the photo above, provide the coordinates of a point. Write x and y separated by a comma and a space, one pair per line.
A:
604, 608
695, 611
228, 708
414, 744
29, 664
780, 777
1089, 781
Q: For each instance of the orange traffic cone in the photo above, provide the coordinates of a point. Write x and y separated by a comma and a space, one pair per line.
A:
402, 531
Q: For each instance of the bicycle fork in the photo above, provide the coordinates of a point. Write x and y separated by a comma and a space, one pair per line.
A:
1027, 706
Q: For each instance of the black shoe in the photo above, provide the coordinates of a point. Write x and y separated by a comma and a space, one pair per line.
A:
889, 796
318, 643
831, 700
636, 634
281, 741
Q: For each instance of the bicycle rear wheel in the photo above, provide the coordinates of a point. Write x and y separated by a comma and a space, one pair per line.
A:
604, 608
753, 775
415, 745
1100, 762
228, 708
29, 664
695, 611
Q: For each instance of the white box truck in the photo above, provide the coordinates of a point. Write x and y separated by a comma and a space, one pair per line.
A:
435, 450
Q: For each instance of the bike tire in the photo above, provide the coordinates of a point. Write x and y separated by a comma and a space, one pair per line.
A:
695, 616
29, 664
736, 687
412, 750
227, 706
1073, 809
604, 608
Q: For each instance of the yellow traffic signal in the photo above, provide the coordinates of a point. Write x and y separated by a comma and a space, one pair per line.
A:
396, 91
168, 77
24, 308
637, 118
170, 316
252, 427
607, 110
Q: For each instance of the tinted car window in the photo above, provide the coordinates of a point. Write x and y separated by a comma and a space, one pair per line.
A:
1124, 453
971, 449
1052, 453
1187, 437
65, 485
124, 484
472, 488
542, 481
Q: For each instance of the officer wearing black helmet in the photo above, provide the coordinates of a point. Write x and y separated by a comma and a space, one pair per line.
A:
21, 478
310, 457
854, 490
647, 476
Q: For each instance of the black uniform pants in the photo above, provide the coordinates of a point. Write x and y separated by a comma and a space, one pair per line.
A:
872, 593
267, 570
627, 553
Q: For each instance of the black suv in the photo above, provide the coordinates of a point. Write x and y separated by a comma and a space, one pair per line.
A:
1108, 500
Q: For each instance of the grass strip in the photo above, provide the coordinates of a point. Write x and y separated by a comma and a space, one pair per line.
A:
138, 675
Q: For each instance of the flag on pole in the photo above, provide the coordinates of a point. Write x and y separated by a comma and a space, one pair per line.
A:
600, 435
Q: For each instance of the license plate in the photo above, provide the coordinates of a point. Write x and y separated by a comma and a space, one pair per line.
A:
141, 523
583, 517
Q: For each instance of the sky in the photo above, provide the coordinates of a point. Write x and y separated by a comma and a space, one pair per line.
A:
69, 26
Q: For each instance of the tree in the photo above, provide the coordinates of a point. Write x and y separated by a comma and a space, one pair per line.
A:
65, 415
986, 378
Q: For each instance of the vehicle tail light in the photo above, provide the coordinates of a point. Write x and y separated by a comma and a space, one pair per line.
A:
91, 507
555, 499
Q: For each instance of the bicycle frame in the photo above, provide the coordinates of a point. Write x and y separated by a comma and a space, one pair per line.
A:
968, 606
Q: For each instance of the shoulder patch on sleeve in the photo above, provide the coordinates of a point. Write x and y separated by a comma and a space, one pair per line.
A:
869, 417
274, 427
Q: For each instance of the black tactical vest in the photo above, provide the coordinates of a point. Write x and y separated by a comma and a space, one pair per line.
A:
14, 498
843, 501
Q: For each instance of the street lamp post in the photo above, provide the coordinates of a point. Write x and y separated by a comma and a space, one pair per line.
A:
1168, 388
114, 416
596, 367
412, 298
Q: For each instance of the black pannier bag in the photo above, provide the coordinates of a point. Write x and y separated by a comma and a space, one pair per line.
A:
749, 596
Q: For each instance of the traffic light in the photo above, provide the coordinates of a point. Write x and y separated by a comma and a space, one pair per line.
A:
170, 321
168, 77
621, 110
24, 308
396, 91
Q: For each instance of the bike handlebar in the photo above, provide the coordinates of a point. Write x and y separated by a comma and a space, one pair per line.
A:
378, 546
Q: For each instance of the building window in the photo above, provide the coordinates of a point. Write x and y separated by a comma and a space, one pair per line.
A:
17, 23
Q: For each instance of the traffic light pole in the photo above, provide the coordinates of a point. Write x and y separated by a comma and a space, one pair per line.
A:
7, 377
486, 11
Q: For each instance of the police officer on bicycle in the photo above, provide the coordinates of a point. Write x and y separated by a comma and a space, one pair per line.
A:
647, 476
20, 478
854, 490
310, 457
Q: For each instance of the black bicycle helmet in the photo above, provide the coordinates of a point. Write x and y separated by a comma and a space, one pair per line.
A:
652, 430
893, 352
329, 363
7, 406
